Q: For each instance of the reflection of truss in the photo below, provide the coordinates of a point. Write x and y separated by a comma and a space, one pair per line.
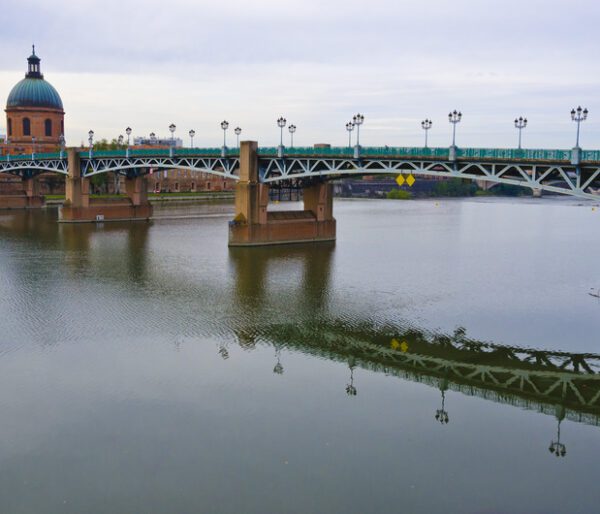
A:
582, 182
530, 379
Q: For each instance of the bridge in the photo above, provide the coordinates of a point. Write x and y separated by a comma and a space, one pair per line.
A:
573, 172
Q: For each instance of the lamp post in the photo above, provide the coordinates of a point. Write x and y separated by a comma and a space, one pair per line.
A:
520, 124
238, 131
116, 184
426, 125
33, 148
120, 140
224, 127
192, 133
349, 128
172, 128
358, 120
454, 117
578, 115
152, 138
61, 140
292, 129
281, 122
128, 132
91, 142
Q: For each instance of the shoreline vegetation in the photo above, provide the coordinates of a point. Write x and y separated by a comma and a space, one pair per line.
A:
456, 188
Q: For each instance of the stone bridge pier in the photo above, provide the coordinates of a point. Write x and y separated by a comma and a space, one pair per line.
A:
254, 225
29, 197
79, 207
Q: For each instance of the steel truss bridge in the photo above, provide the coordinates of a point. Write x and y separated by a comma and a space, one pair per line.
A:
570, 172
544, 381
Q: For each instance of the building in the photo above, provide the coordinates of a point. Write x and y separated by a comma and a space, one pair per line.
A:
34, 113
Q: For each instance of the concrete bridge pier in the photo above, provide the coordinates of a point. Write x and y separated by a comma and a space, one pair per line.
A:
79, 207
254, 225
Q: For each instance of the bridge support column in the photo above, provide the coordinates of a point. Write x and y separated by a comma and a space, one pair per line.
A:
78, 206
26, 197
254, 225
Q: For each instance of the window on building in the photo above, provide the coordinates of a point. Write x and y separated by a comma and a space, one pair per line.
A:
48, 127
10, 126
26, 127
177, 186
62, 127
208, 185
193, 186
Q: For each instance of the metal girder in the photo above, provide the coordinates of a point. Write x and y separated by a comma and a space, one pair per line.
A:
29, 168
564, 179
224, 167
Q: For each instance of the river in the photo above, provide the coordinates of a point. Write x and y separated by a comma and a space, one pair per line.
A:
423, 363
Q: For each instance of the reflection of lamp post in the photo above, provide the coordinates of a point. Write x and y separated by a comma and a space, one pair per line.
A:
223, 351
238, 131
441, 415
350, 389
556, 447
520, 124
278, 369
426, 125
172, 128
61, 140
91, 142
349, 128
192, 133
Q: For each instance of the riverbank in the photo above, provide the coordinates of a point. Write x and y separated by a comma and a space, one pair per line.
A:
156, 198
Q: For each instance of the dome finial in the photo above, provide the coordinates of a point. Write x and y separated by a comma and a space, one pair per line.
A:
33, 49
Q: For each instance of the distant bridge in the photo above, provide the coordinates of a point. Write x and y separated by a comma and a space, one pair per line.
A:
569, 172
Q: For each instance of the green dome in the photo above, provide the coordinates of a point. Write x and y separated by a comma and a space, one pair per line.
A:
34, 92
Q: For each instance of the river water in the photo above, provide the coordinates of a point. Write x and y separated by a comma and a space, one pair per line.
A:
425, 362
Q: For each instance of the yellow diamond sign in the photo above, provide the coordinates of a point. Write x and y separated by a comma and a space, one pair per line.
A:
400, 180
410, 180
395, 344
404, 346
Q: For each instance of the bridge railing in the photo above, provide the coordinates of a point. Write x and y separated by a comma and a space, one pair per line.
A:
535, 155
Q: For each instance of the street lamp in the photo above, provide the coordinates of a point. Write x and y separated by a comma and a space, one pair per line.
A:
349, 128
520, 124
292, 129
224, 126
61, 140
358, 120
91, 141
426, 125
454, 117
192, 133
281, 122
152, 138
172, 128
238, 131
578, 115
128, 132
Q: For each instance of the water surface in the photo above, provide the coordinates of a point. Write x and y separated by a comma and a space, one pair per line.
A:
423, 363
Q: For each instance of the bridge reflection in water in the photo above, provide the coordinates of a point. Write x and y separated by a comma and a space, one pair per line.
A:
555, 383
565, 385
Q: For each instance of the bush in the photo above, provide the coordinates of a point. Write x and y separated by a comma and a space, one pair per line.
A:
398, 194
454, 187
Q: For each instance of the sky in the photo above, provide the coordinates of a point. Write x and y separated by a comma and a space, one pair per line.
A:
317, 63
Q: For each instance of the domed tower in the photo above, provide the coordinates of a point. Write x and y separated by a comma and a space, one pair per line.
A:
34, 111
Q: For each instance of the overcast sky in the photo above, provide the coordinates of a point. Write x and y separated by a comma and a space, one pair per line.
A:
194, 63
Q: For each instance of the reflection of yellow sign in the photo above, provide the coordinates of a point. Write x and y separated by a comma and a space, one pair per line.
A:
400, 180
397, 345
410, 180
